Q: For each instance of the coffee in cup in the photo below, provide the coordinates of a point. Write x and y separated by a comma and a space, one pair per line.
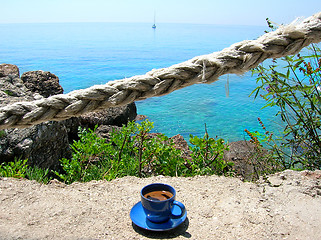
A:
158, 200
158, 195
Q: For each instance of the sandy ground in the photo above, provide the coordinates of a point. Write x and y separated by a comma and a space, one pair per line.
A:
286, 207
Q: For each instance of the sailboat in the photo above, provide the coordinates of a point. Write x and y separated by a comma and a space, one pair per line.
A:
154, 25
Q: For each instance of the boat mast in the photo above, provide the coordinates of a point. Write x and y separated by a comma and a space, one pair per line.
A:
154, 25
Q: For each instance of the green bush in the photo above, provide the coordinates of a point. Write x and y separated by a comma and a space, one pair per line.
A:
266, 159
92, 158
133, 152
20, 169
156, 156
15, 169
296, 92
207, 155
38, 174
128, 152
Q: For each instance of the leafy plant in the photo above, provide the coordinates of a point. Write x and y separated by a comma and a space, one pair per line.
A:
86, 163
297, 94
133, 151
38, 174
207, 155
141, 131
264, 161
129, 151
155, 155
20, 169
161, 157
16, 169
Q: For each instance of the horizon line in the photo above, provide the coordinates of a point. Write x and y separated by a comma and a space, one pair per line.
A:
67, 22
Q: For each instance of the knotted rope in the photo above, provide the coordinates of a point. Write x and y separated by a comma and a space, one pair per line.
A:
238, 58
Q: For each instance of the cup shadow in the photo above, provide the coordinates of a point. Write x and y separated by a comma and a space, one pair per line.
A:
181, 230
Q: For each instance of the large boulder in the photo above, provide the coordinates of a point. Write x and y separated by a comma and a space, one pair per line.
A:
12, 88
181, 144
44, 83
9, 70
43, 144
117, 116
104, 131
244, 156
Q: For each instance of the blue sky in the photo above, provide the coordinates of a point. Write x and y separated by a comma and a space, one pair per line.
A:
242, 12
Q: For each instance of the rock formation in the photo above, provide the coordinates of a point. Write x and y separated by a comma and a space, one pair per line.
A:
111, 116
44, 83
9, 70
44, 144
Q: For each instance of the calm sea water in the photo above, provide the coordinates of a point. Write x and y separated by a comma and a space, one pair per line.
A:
84, 54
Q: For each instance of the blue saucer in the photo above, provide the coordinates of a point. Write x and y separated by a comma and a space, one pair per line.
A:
138, 217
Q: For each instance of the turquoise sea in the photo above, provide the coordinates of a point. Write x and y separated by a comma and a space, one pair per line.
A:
84, 54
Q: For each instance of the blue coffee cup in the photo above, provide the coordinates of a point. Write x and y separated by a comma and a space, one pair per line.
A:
156, 210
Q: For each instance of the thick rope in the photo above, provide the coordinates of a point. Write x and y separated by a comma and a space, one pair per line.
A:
238, 58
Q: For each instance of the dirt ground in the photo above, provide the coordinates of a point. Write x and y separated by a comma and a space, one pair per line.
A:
288, 206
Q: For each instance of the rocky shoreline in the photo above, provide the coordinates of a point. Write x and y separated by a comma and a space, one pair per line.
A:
44, 144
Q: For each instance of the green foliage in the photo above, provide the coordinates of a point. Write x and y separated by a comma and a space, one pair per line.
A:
270, 25
20, 169
90, 160
264, 161
9, 92
16, 169
133, 152
207, 155
38, 174
2, 133
128, 152
160, 157
296, 92
155, 155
